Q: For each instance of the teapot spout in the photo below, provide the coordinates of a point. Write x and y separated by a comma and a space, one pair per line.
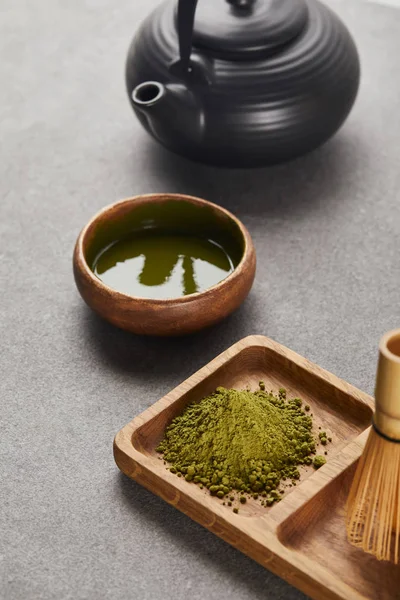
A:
171, 113
147, 94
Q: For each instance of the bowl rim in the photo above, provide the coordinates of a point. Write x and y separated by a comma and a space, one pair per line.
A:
82, 265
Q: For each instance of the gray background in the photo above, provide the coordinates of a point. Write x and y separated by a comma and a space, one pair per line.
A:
326, 229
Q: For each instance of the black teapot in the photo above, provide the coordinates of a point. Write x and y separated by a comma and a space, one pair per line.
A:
242, 82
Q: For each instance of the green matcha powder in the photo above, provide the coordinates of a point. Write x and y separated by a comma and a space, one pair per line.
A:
241, 440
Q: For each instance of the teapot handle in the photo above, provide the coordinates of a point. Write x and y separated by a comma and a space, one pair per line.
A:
185, 23
186, 12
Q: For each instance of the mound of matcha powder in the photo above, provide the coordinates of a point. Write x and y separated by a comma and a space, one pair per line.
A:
240, 440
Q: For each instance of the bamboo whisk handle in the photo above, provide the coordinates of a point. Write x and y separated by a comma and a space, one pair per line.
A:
387, 389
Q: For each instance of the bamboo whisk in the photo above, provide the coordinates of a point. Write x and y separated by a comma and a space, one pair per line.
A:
373, 505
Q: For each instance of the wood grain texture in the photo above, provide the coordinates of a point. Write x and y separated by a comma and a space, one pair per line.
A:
302, 538
170, 317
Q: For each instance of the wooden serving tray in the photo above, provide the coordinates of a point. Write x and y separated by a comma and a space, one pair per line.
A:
302, 538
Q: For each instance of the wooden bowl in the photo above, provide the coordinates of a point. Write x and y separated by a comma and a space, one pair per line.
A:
175, 316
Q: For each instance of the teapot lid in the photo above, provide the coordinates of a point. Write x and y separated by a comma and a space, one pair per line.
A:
243, 29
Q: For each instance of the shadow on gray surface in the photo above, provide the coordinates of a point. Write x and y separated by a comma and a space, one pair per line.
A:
287, 190
203, 545
158, 357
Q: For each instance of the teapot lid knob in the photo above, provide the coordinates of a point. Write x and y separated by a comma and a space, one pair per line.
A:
243, 4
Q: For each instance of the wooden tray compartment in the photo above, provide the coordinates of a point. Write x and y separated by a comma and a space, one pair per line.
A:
302, 538
317, 531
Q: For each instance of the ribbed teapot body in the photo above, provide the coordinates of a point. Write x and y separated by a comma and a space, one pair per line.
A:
254, 112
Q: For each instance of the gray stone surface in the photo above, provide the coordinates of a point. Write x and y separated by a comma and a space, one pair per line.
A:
326, 229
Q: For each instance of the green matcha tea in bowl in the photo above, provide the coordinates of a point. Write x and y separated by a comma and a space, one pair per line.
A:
164, 264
